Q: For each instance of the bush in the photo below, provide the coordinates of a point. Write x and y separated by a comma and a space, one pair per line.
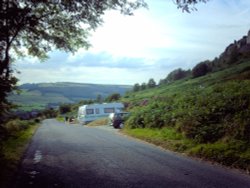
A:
205, 114
135, 120
37, 120
65, 108
14, 126
177, 74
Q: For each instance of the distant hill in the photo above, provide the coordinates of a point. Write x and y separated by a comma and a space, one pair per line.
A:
37, 96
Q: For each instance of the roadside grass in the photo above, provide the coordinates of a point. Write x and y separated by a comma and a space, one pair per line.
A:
60, 118
167, 138
12, 152
99, 122
233, 153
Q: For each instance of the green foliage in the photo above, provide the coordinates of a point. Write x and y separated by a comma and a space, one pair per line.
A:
142, 117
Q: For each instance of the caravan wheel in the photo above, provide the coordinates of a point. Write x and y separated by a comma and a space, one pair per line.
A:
121, 125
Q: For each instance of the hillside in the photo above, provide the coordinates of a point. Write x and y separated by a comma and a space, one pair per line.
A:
207, 117
37, 96
203, 112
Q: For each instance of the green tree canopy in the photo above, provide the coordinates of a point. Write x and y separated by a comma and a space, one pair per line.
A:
188, 5
136, 87
200, 69
151, 83
177, 74
64, 108
143, 86
113, 97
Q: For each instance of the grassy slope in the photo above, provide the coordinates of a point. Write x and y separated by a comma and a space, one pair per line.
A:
228, 149
235, 72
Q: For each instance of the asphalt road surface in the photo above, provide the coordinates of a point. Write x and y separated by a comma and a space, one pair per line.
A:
71, 156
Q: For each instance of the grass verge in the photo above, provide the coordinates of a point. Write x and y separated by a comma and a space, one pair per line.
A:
13, 149
167, 138
60, 118
231, 153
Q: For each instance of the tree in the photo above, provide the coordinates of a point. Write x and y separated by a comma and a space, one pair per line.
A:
177, 74
49, 113
99, 98
143, 86
151, 83
113, 97
162, 82
64, 108
200, 69
188, 5
136, 87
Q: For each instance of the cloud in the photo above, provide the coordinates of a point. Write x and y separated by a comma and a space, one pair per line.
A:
150, 44
104, 59
121, 71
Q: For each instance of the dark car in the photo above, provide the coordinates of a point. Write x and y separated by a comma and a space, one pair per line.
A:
117, 119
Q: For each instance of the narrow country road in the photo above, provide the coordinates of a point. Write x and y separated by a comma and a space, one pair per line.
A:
74, 156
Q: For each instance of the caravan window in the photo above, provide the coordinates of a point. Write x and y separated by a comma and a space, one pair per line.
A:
97, 111
119, 109
109, 110
90, 111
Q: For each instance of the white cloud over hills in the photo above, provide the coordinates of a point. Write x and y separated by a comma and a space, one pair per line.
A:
150, 44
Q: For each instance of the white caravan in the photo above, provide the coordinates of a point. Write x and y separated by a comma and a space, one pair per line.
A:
91, 112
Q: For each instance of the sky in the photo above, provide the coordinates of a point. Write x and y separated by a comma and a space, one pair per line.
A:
152, 43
